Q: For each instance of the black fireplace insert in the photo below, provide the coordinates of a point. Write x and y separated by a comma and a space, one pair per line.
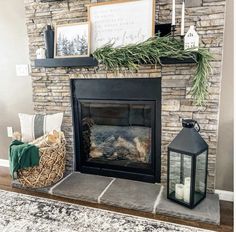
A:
117, 127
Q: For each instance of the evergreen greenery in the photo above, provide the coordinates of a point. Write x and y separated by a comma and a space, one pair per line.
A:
151, 52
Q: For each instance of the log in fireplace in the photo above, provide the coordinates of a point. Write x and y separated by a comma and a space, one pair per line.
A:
117, 127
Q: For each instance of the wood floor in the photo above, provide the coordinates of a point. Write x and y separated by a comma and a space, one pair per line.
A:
226, 208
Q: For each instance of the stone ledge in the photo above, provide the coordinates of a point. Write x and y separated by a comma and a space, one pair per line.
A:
207, 211
130, 194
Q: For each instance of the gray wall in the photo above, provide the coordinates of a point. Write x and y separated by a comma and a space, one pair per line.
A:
224, 169
15, 92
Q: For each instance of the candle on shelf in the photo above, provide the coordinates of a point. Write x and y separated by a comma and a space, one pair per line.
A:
179, 191
187, 193
182, 18
173, 12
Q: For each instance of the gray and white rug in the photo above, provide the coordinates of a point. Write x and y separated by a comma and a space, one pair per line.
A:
24, 213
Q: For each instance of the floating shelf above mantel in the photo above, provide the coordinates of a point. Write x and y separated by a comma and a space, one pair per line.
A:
92, 62
66, 62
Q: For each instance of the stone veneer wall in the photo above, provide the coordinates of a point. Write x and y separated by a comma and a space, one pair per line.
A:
51, 90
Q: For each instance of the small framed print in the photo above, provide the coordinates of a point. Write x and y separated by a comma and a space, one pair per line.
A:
72, 40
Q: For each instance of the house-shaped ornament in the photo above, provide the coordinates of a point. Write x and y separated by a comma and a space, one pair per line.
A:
191, 39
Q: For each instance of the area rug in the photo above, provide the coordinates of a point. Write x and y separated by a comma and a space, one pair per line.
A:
24, 213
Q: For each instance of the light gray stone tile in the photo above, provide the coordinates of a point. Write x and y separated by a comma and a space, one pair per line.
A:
132, 195
81, 186
206, 211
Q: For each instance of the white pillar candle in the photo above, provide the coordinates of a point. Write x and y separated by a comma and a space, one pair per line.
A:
179, 191
187, 180
187, 193
182, 18
173, 12
201, 186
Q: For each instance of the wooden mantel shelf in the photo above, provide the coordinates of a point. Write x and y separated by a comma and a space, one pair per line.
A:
66, 62
92, 62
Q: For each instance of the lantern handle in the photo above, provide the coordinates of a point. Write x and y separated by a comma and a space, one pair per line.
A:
198, 127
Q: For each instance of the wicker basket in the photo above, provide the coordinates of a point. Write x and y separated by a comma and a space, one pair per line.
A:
51, 166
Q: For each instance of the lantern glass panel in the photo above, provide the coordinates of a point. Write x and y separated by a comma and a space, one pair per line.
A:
200, 177
179, 173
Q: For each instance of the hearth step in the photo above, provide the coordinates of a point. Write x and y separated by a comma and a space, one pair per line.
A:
79, 186
134, 195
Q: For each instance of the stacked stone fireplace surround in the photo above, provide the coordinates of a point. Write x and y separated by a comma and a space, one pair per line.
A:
51, 86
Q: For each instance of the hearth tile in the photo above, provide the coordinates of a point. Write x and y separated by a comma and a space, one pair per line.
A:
81, 186
207, 211
132, 195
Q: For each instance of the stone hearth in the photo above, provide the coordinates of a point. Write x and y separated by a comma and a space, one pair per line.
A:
51, 86
129, 194
134, 195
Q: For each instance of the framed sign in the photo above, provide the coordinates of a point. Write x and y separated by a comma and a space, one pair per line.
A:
72, 40
121, 22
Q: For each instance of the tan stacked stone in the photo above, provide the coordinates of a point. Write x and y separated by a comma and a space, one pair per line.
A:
51, 86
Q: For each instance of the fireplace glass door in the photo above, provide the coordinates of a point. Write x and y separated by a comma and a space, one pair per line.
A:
117, 134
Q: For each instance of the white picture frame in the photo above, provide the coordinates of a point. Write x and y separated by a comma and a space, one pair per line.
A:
72, 40
121, 22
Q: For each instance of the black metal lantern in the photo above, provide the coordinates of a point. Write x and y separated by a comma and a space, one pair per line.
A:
187, 166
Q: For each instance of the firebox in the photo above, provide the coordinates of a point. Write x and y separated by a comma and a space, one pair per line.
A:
117, 127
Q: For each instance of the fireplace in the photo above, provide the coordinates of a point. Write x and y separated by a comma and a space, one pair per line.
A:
116, 126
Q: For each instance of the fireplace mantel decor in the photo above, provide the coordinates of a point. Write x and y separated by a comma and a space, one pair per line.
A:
156, 50
151, 51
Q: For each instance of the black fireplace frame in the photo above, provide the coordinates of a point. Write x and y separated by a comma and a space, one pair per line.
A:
117, 90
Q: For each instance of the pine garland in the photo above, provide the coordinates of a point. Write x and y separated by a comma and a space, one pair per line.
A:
150, 52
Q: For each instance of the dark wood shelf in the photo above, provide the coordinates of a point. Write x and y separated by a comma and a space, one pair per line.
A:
92, 62
167, 60
66, 62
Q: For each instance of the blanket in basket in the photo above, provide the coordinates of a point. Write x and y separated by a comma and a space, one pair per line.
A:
22, 155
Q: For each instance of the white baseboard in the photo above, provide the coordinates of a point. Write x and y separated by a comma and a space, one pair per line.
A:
225, 195
4, 163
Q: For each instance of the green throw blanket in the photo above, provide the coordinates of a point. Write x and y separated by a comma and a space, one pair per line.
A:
22, 155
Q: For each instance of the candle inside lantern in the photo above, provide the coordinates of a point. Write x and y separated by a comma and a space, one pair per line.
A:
182, 18
187, 193
179, 191
187, 180
173, 12
201, 186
